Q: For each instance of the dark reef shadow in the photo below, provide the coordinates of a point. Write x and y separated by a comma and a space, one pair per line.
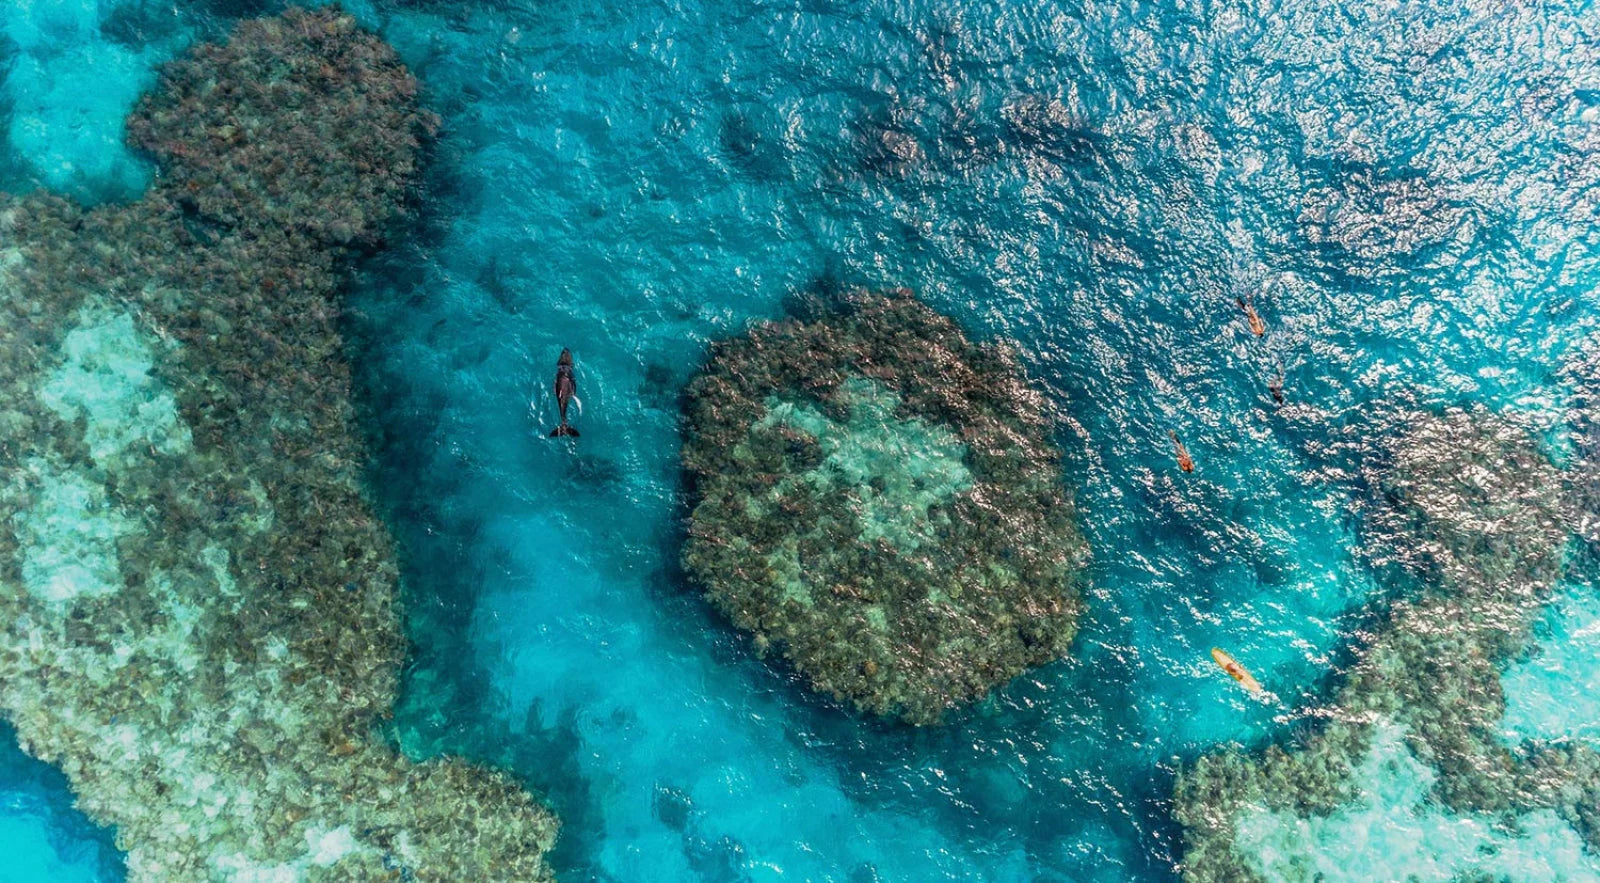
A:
135, 24
750, 137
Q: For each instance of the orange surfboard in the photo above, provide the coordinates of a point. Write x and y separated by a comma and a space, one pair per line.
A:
1235, 670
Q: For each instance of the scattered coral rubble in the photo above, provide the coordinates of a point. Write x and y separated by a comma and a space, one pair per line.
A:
198, 616
1411, 765
879, 499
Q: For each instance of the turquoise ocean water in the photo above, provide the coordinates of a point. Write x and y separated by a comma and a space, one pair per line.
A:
1408, 192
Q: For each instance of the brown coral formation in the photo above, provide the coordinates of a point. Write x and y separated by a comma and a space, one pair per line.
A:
879, 499
1473, 507
198, 616
260, 131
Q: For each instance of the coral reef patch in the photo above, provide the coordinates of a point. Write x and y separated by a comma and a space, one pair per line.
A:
1412, 743
878, 499
198, 618
1583, 419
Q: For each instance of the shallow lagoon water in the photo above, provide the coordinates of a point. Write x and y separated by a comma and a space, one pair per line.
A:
1407, 193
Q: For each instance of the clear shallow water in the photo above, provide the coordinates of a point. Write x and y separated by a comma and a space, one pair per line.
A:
1408, 193
1548, 695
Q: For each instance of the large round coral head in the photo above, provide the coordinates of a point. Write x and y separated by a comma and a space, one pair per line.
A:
878, 499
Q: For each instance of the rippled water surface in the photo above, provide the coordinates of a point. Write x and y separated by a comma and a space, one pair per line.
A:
1408, 193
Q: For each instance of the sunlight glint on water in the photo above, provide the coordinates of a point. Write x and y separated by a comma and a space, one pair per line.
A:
1407, 193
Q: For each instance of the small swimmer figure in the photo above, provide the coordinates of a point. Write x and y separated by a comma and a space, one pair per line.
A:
1257, 327
1275, 386
1235, 670
566, 389
1185, 462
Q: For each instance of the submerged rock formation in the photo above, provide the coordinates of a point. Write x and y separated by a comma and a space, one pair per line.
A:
198, 616
1583, 419
878, 499
1475, 511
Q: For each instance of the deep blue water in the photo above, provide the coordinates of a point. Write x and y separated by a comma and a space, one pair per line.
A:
1408, 192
